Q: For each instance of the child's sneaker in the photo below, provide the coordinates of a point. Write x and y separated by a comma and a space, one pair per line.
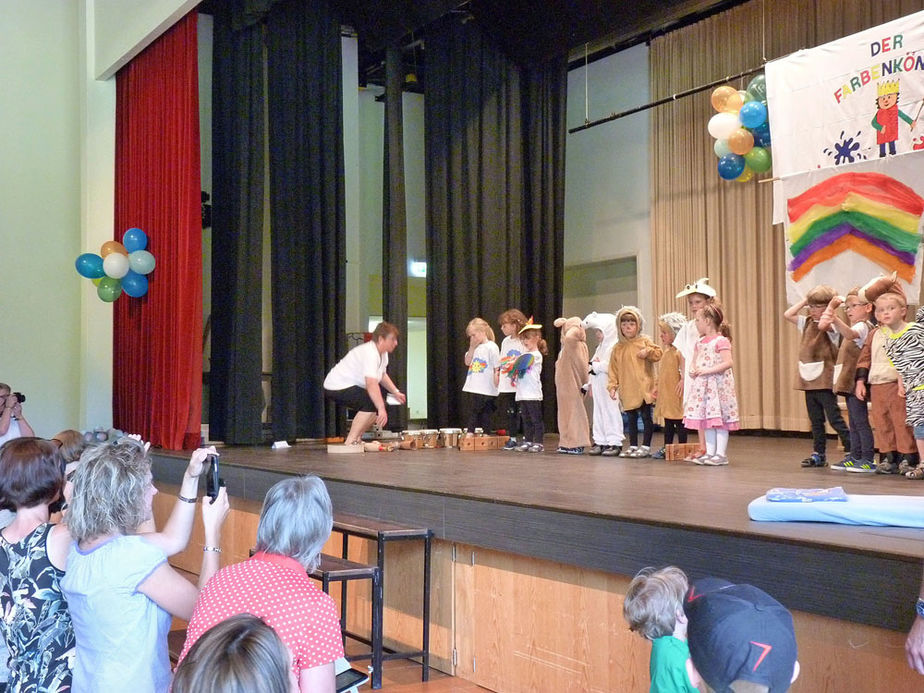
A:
659, 455
816, 459
596, 449
612, 451
715, 460
886, 467
629, 451
536, 447
862, 467
570, 451
511, 444
844, 465
643, 451
524, 446
905, 466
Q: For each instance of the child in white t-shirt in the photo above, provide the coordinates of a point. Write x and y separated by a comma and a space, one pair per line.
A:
482, 359
526, 373
511, 322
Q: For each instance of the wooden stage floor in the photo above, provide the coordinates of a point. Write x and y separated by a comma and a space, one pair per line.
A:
619, 515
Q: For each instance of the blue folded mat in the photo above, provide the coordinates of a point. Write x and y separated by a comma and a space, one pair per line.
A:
858, 509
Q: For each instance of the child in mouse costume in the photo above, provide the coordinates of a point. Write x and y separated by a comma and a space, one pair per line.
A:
570, 385
607, 421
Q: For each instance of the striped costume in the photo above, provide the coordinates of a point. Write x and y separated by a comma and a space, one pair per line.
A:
906, 352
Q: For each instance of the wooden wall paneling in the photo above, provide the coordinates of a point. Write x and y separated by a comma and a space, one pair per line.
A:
536, 625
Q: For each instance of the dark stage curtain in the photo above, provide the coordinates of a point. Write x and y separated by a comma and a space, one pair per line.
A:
394, 225
238, 138
307, 212
495, 156
157, 342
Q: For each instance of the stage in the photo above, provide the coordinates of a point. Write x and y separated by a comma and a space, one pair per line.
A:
618, 515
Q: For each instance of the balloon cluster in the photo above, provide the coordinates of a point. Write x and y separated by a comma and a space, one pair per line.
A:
741, 130
119, 266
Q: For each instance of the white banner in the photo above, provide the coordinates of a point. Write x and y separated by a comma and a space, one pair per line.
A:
847, 225
855, 99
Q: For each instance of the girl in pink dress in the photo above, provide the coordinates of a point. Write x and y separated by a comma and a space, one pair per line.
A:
712, 407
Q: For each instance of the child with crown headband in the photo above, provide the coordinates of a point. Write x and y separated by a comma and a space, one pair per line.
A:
526, 373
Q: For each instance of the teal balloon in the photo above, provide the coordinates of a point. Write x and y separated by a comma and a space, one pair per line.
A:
134, 239
109, 289
134, 284
753, 114
759, 159
141, 261
89, 265
721, 148
758, 87
730, 166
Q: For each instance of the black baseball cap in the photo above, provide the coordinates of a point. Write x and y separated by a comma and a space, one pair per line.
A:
739, 633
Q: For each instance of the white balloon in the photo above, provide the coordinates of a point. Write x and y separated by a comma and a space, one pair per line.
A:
115, 265
721, 125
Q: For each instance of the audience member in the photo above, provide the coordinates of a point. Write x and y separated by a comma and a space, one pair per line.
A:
273, 584
120, 588
36, 625
654, 609
741, 639
239, 655
13, 422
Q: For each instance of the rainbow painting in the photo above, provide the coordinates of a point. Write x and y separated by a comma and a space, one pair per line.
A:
871, 214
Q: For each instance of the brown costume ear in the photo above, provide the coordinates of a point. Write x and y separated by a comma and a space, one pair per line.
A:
881, 285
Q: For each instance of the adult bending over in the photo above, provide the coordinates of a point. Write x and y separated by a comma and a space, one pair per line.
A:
119, 587
359, 381
13, 423
295, 522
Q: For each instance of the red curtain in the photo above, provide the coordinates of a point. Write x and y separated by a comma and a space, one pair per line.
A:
157, 344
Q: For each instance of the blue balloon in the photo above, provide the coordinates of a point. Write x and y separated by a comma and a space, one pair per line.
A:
753, 114
731, 166
89, 265
134, 284
135, 239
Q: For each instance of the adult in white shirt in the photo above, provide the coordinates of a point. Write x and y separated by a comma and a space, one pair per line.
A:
12, 422
359, 381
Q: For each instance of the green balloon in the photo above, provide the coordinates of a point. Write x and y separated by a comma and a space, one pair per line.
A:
758, 159
758, 87
109, 289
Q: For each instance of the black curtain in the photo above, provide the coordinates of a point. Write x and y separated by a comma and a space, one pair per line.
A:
495, 195
235, 392
304, 88
394, 226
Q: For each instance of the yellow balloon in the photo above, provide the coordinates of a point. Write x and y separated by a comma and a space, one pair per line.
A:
96, 281
721, 95
746, 175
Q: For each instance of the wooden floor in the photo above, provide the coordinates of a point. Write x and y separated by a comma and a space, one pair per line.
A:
649, 491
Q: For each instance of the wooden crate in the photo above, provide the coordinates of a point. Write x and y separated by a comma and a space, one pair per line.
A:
679, 451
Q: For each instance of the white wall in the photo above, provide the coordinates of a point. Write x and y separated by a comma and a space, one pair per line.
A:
606, 169
124, 28
40, 200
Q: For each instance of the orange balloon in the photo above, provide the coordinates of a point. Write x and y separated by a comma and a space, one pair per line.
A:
734, 103
112, 247
741, 141
721, 95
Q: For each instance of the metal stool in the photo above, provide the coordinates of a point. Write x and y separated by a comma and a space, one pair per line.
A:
334, 569
382, 532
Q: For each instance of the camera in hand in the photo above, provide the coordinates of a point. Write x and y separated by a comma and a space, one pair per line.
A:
212, 481
20, 397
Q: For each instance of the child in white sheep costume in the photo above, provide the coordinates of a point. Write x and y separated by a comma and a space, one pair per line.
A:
607, 413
